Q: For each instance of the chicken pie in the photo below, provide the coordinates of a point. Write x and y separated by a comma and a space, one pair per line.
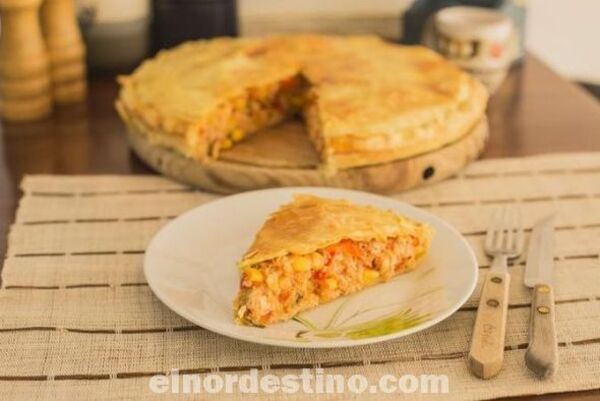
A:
364, 100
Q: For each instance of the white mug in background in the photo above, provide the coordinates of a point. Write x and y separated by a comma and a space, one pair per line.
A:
479, 40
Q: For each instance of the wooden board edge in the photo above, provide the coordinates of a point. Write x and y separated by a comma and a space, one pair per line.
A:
226, 178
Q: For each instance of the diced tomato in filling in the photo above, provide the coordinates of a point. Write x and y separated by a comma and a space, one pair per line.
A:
289, 83
346, 246
319, 275
284, 295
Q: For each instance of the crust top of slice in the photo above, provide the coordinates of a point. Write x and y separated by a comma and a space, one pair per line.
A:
310, 223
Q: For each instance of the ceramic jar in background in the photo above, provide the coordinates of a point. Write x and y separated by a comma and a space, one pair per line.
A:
479, 40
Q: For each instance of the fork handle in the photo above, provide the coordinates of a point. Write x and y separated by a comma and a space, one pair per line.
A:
487, 345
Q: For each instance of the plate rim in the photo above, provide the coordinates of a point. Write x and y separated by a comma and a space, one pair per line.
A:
342, 343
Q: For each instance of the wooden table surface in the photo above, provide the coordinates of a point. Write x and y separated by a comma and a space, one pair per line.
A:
534, 112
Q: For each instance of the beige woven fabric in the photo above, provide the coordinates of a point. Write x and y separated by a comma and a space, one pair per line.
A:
78, 322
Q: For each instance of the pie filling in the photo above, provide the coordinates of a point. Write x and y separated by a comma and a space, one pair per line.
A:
256, 109
278, 289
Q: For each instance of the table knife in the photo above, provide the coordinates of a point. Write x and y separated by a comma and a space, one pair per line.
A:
542, 354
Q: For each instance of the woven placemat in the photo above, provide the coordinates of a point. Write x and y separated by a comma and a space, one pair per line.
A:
78, 321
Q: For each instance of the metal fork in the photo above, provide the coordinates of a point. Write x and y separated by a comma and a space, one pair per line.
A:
504, 241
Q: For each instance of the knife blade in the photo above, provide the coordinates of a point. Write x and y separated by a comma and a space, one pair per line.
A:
542, 354
540, 257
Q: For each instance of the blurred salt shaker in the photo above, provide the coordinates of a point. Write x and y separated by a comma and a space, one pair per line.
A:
479, 40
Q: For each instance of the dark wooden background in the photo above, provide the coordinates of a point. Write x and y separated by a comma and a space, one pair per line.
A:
534, 112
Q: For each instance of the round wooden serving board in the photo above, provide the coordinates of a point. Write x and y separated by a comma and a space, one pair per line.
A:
284, 156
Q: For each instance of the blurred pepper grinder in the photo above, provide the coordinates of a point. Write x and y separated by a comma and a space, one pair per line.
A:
24, 81
65, 50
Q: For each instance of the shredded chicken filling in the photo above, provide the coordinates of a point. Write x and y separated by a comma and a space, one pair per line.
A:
280, 288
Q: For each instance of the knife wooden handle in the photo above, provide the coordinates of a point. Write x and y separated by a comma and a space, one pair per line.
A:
487, 345
542, 355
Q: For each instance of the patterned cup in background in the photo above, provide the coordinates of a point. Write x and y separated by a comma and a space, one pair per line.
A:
479, 40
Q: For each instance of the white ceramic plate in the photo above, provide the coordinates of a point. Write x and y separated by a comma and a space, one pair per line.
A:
191, 266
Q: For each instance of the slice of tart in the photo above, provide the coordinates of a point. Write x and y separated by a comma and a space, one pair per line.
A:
314, 250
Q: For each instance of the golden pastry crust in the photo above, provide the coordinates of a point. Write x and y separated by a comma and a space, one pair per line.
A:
310, 223
365, 101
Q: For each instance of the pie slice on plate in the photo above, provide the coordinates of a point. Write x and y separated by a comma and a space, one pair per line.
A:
314, 250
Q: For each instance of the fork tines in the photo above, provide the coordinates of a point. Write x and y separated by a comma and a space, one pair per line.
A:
505, 232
